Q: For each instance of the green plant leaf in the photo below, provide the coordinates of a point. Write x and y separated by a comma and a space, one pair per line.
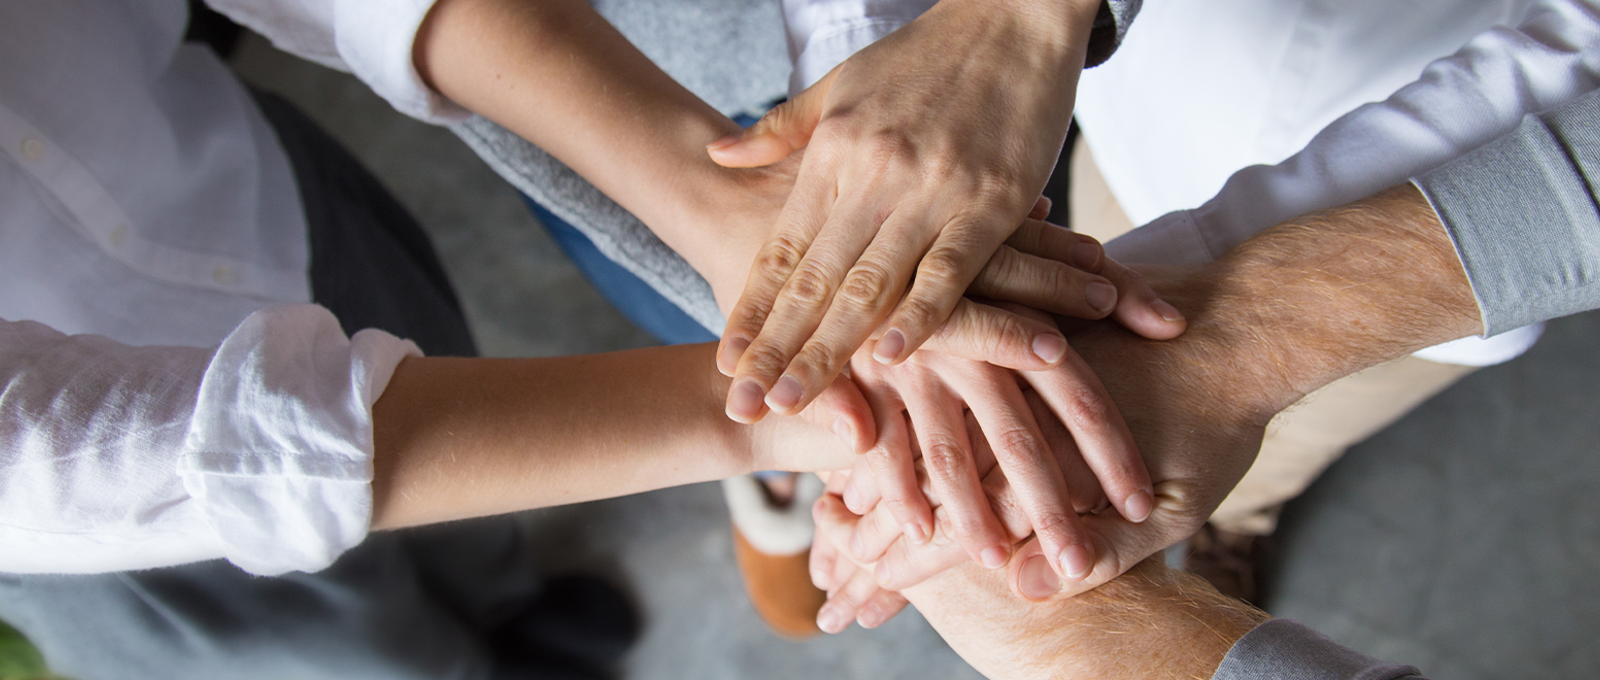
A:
18, 659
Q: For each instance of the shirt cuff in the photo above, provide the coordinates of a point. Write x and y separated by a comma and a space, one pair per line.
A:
279, 453
1280, 648
1523, 218
375, 38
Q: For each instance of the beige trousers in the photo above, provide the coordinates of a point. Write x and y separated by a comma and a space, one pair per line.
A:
1307, 437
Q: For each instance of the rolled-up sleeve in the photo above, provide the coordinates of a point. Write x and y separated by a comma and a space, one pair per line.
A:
372, 39
1523, 215
115, 457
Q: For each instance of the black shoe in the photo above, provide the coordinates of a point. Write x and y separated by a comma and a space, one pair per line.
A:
578, 628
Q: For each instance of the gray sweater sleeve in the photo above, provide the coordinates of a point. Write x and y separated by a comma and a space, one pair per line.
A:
1281, 648
1522, 212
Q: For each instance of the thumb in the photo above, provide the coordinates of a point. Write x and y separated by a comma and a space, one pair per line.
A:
782, 131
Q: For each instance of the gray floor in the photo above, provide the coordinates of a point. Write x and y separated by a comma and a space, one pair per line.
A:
1464, 539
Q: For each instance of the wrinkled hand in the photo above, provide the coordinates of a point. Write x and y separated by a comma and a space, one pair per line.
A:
924, 153
1197, 406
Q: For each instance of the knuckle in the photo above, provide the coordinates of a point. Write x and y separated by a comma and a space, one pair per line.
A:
809, 287
942, 263
919, 312
1005, 336
1017, 443
781, 255
943, 456
1052, 521
867, 287
1082, 406
819, 356
765, 359
967, 527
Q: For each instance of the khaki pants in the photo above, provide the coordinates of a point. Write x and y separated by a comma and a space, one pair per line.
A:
1307, 437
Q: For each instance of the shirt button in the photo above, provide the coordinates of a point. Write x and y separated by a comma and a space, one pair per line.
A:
222, 274
32, 148
119, 235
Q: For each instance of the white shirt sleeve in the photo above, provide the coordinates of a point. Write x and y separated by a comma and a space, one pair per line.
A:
370, 38
1459, 103
115, 457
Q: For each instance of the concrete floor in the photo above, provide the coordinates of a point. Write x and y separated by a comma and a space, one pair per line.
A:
1465, 539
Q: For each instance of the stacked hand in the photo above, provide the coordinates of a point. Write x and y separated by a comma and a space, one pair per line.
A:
1197, 406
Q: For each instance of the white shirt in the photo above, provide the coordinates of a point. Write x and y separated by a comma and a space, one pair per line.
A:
147, 202
1199, 91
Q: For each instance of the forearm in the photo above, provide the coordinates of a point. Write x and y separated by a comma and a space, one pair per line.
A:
1337, 291
556, 73
458, 438
1151, 622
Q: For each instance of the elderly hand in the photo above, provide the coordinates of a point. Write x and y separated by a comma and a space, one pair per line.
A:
924, 153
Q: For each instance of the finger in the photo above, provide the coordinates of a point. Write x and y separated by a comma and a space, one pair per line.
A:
1139, 308
1121, 546
879, 608
1087, 495
832, 329
939, 419
987, 333
1076, 396
770, 274
784, 129
1054, 242
1041, 208
802, 340
821, 561
893, 469
846, 602
1029, 465
861, 491
943, 275
843, 410
1046, 284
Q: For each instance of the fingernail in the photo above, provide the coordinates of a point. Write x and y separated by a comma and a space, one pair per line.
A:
1077, 561
870, 617
1139, 505
993, 558
1101, 296
842, 429
785, 395
883, 574
889, 346
744, 401
728, 356
1049, 347
915, 532
1166, 310
831, 620
724, 143
1086, 255
1037, 580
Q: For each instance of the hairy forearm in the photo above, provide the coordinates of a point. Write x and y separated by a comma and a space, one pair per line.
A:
458, 438
1152, 622
559, 75
1337, 291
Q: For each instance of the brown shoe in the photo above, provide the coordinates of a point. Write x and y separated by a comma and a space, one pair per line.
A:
1230, 561
773, 547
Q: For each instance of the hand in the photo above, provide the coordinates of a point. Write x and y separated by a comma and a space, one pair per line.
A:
1092, 451
1152, 622
929, 148
1197, 406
